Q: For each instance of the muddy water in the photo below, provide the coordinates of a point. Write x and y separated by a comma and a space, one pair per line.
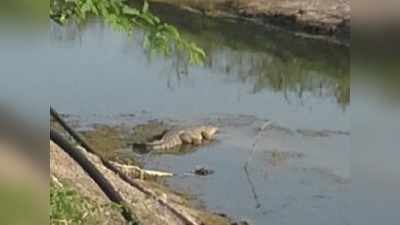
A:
296, 171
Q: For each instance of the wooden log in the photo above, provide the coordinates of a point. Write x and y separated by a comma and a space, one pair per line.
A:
93, 172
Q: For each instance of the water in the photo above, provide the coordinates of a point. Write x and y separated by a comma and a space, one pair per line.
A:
248, 77
302, 189
374, 197
239, 81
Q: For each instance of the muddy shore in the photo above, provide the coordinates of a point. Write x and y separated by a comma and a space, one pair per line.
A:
323, 19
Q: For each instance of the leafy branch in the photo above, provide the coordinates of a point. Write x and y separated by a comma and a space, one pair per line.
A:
160, 37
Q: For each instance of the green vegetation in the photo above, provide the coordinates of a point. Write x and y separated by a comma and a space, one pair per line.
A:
68, 207
160, 37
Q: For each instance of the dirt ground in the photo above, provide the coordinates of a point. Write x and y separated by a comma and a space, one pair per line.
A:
315, 16
319, 17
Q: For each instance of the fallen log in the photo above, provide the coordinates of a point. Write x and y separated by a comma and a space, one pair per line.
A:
93, 172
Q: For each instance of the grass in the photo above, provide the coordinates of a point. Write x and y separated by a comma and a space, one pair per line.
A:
68, 207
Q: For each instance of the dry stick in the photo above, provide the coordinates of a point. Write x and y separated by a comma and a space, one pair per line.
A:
56, 181
245, 167
92, 171
253, 188
253, 149
107, 164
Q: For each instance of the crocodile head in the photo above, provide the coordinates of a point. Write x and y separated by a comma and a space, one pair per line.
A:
209, 132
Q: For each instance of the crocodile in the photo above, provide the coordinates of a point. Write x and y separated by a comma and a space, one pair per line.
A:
179, 136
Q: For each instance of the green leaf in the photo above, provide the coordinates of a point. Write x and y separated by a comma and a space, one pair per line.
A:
130, 11
173, 31
156, 19
116, 7
146, 42
200, 52
145, 6
86, 7
148, 18
159, 38
104, 10
95, 10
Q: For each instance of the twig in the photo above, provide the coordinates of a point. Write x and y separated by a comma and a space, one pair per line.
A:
245, 167
262, 128
56, 181
253, 188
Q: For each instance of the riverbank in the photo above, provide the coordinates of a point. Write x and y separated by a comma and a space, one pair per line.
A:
323, 19
146, 210
283, 155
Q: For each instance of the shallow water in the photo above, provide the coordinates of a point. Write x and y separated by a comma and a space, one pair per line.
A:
101, 75
300, 186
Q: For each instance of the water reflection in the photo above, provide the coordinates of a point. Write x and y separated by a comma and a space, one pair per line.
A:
268, 60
